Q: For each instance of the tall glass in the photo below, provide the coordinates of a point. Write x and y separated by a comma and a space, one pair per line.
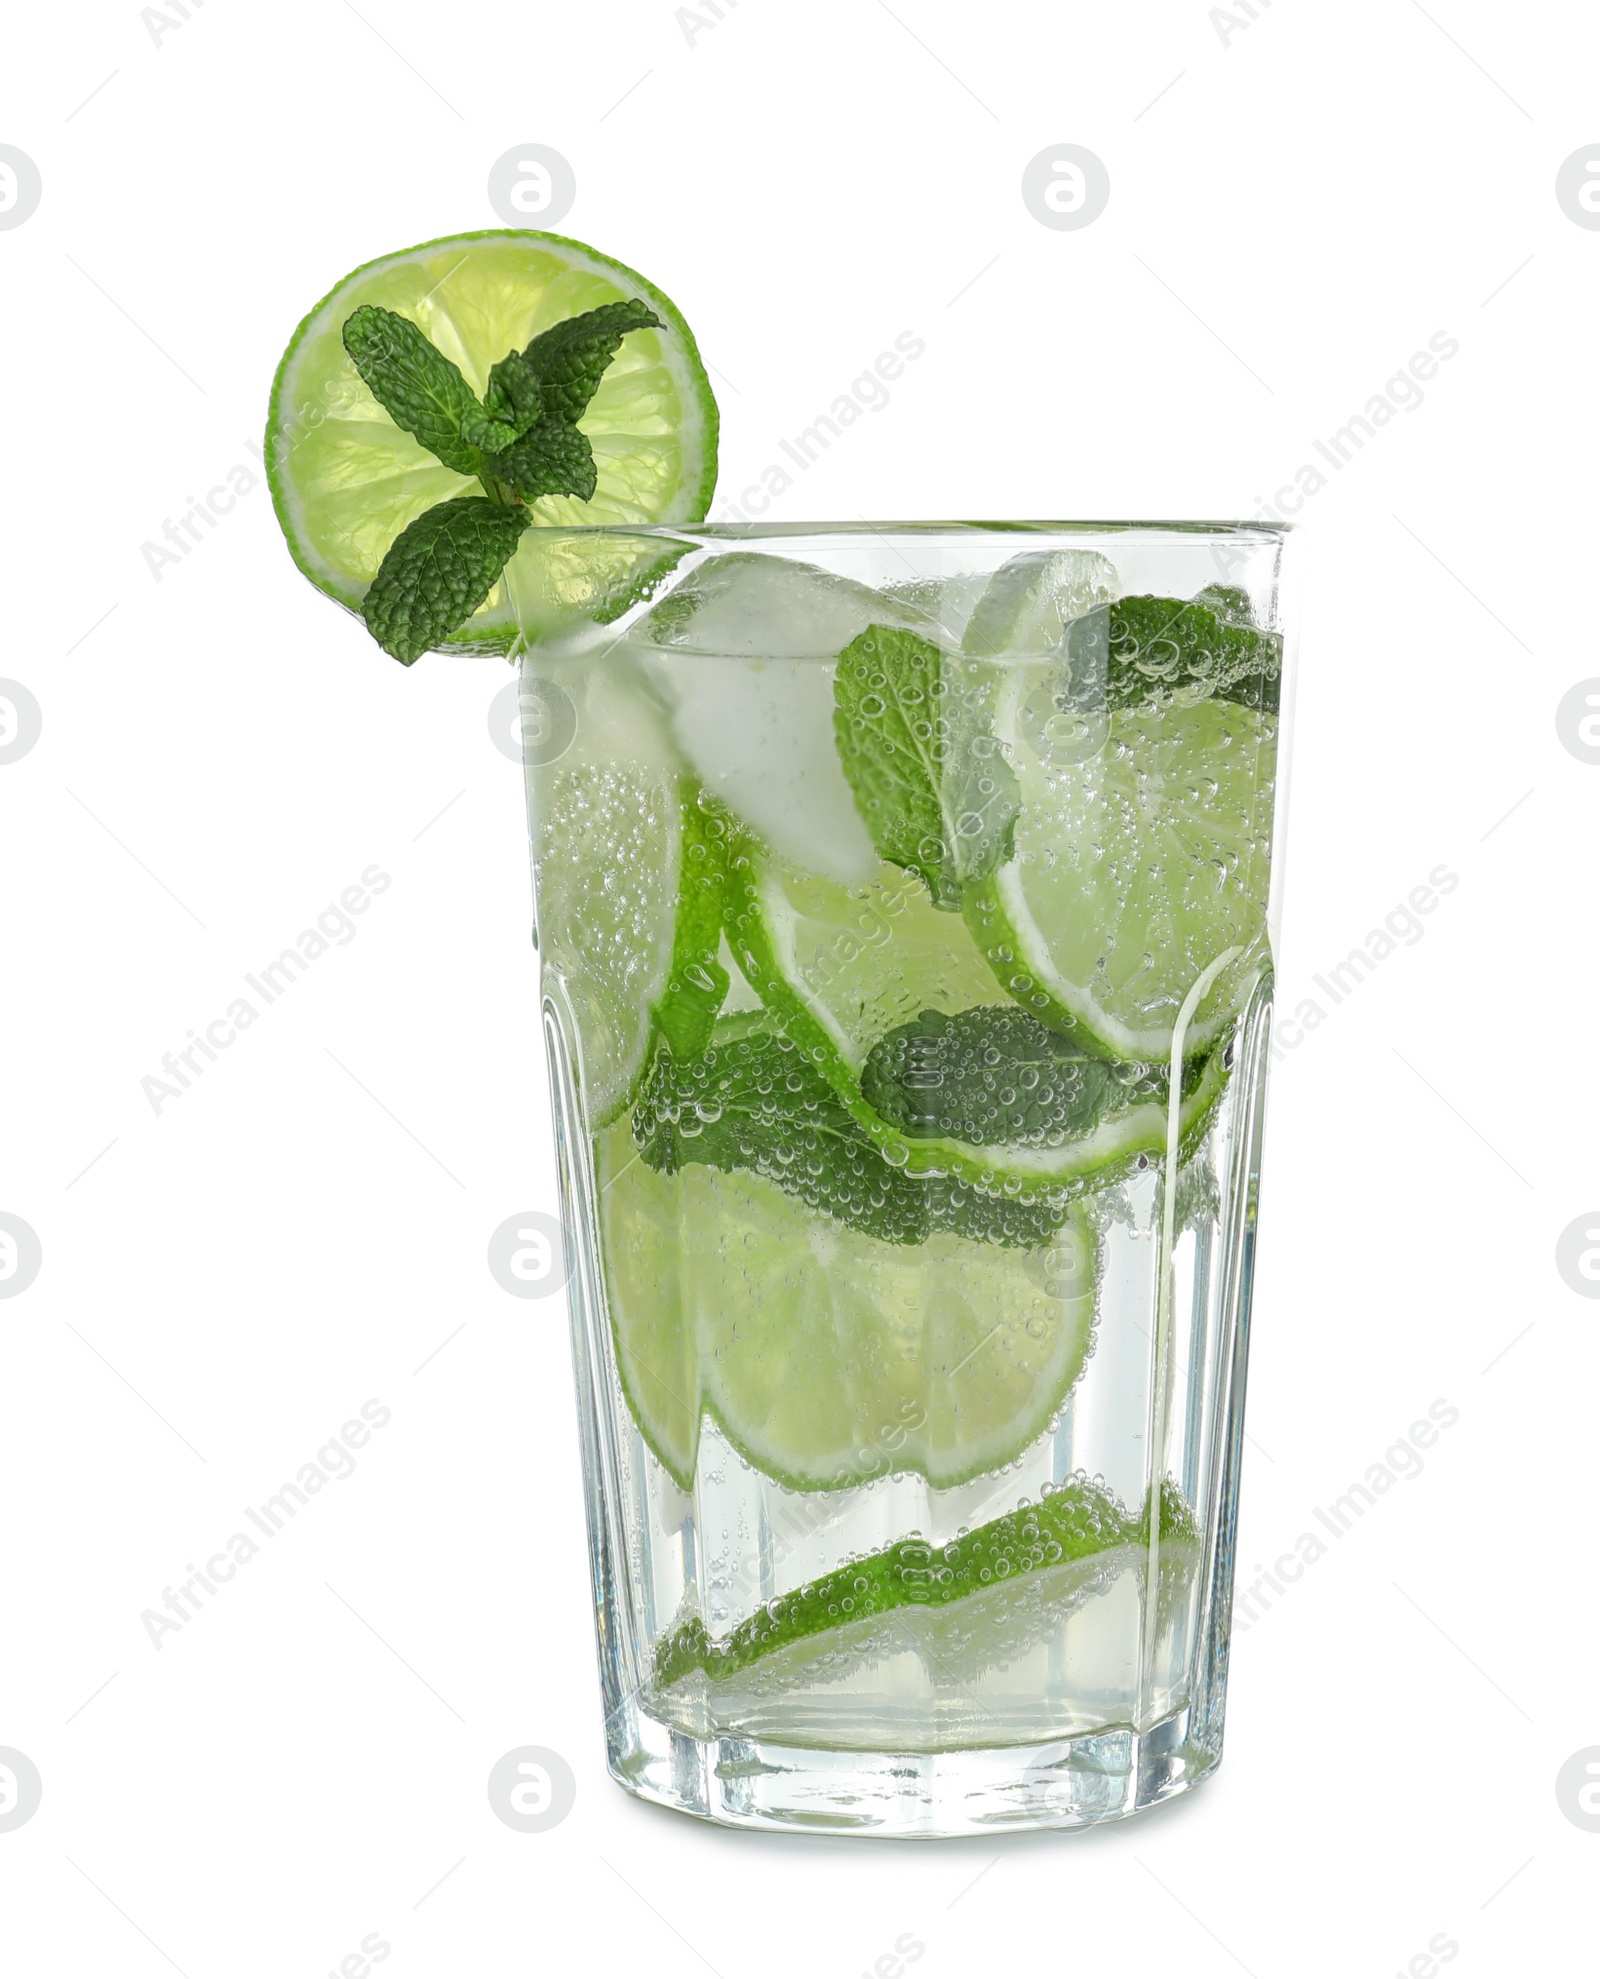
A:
904, 902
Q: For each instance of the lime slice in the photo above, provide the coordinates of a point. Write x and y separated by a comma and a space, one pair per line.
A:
1004, 1572
962, 1610
1031, 600
842, 966
605, 878
346, 480
827, 1356
657, 1350
627, 878
607, 825
1136, 869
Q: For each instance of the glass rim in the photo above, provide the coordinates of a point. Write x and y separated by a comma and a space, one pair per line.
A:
1248, 531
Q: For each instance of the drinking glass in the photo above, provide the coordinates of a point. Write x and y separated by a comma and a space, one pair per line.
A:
905, 898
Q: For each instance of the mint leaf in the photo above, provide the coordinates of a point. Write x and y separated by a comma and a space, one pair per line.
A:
570, 358
753, 1101
995, 1075
1158, 650
513, 396
438, 571
930, 780
482, 430
1227, 601
552, 458
697, 983
418, 386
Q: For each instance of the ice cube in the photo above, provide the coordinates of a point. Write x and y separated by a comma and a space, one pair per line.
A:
751, 606
944, 603
744, 654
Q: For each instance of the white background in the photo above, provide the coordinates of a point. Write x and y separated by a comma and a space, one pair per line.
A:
1297, 205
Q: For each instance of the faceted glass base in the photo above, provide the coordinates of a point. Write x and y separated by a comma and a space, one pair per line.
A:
1067, 1783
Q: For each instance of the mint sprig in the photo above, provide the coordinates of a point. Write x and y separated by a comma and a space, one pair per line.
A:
570, 358
513, 396
553, 458
753, 1101
438, 571
930, 779
995, 1075
418, 386
1160, 650
521, 441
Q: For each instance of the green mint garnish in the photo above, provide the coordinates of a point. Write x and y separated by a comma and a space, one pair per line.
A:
753, 1101
570, 358
931, 782
994, 1075
551, 459
697, 983
514, 396
488, 435
522, 442
438, 571
1227, 601
1159, 649
417, 385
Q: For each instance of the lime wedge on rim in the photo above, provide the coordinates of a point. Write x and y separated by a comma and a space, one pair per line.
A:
346, 480
829, 1357
1135, 870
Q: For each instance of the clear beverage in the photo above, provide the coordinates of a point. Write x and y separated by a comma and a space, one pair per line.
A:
903, 904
